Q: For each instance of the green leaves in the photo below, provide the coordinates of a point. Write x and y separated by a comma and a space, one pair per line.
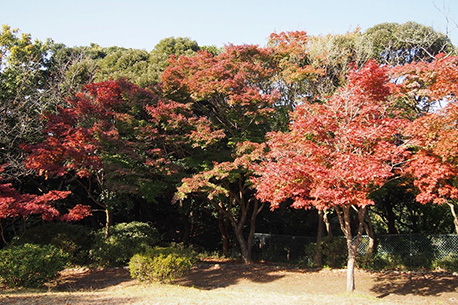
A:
397, 44
30, 265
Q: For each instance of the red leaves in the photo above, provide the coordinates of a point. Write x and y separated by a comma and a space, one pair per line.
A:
216, 182
434, 168
74, 134
78, 212
290, 55
337, 152
435, 80
121, 134
240, 88
13, 204
433, 178
174, 125
78, 136
234, 74
371, 80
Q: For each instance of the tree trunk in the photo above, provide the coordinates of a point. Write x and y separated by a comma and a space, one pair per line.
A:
254, 214
108, 222
245, 248
2, 233
344, 219
246, 244
351, 269
222, 225
370, 233
455, 218
391, 217
327, 223
238, 198
319, 252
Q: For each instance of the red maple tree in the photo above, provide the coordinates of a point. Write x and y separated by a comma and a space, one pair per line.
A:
14, 205
434, 167
115, 137
75, 137
228, 188
245, 91
336, 153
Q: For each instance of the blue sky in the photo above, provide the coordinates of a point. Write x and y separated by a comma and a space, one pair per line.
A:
142, 24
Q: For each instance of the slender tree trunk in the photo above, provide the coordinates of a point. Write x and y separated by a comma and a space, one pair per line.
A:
254, 214
2, 233
344, 219
390, 219
351, 268
222, 225
455, 218
246, 244
246, 202
370, 233
108, 222
319, 252
327, 223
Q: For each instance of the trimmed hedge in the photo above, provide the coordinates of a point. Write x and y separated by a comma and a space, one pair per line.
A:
161, 264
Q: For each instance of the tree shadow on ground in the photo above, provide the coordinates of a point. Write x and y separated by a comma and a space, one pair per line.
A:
92, 279
65, 299
208, 276
421, 284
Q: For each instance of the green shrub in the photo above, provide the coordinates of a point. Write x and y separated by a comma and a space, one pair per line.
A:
30, 265
377, 262
160, 264
389, 261
125, 240
76, 240
334, 251
449, 264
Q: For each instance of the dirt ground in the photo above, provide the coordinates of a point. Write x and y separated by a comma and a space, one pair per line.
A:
233, 283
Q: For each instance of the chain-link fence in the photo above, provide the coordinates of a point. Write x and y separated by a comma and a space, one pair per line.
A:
280, 247
414, 249
409, 248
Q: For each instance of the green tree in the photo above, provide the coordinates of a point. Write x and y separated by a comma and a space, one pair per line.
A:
139, 67
396, 44
24, 74
336, 54
133, 65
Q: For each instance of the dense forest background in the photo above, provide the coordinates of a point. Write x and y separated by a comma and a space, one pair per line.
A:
102, 136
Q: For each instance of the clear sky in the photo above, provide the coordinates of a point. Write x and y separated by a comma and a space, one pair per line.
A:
142, 24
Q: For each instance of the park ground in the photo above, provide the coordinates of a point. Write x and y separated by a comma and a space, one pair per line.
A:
230, 283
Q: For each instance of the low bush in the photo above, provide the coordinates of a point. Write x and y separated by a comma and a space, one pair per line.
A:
448, 264
161, 264
76, 240
388, 261
334, 253
376, 262
125, 240
31, 265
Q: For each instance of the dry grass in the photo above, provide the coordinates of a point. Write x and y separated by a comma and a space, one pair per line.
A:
170, 294
238, 284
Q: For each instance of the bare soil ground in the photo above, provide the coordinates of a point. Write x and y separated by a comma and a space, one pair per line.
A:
233, 283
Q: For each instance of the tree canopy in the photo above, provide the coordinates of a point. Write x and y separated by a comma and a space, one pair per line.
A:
196, 140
